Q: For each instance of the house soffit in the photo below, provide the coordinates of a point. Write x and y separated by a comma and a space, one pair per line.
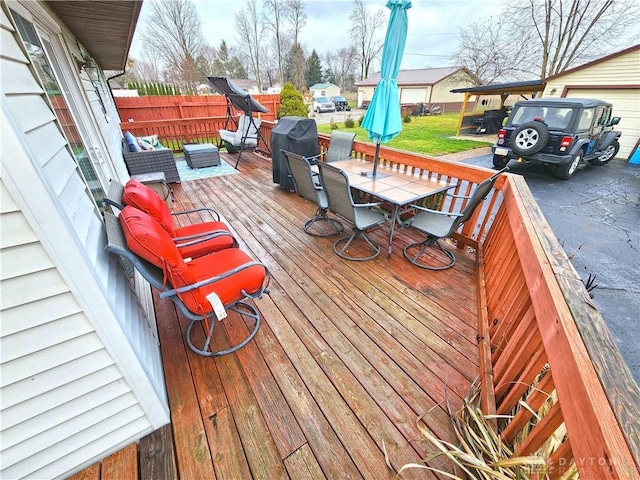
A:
105, 29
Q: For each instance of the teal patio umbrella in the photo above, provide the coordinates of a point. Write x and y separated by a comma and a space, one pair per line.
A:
382, 119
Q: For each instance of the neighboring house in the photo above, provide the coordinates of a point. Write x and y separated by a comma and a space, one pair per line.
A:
324, 90
427, 85
614, 79
81, 369
250, 86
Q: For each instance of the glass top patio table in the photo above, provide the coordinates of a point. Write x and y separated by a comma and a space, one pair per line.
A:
397, 188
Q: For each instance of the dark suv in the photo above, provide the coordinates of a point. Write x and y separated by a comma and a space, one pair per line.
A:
562, 132
341, 103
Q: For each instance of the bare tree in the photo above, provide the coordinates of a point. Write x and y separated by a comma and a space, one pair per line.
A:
274, 15
482, 49
297, 18
250, 34
175, 34
342, 64
365, 28
545, 37
564, 33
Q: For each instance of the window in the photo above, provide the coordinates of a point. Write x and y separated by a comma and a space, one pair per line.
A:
45, 63
586, 119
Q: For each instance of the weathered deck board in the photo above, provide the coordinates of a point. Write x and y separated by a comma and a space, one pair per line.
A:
348, 357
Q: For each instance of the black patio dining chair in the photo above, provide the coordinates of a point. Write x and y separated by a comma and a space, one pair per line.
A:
340, 147
308, 186
437, 225
362, 215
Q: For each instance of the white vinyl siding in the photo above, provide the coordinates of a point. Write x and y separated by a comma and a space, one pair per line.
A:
615, 80
81, 369
626, 105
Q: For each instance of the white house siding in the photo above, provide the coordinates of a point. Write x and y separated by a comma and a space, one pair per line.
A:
615, 80
81, 370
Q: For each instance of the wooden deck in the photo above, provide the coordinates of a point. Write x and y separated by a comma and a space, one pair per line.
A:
349, 357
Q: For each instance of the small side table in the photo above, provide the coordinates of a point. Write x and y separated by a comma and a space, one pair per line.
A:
157, 182
201, 155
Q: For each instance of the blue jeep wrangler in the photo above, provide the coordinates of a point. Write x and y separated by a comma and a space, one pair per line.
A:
561, 132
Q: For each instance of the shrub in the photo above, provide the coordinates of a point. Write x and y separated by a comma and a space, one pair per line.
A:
291, 103
360, 120
348, 122
333, 124
407, 118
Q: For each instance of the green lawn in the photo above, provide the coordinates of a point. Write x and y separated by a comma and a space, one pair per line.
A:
426, 135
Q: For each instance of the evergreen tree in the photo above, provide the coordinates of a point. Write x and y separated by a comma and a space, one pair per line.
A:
291, 102
314, 70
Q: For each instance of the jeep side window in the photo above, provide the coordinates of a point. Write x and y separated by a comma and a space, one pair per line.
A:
603, 116
586, 119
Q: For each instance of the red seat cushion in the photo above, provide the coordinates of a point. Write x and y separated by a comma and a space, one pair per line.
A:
147, 239
144, 198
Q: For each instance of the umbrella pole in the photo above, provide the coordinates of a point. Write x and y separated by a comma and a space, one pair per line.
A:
375, 160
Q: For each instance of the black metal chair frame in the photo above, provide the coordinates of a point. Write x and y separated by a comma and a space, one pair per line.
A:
117, 245
308, 185
362, 215
428, 220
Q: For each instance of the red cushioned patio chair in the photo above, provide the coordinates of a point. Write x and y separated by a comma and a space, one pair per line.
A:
204, 289
192, 240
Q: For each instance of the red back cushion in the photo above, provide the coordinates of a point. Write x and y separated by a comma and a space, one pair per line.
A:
143, 198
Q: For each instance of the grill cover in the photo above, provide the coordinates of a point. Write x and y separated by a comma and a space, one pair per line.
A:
294, 134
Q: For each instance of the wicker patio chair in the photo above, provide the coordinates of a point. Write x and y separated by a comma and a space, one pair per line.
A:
362, 215
204, 289
437, 225
308, 186
149, 161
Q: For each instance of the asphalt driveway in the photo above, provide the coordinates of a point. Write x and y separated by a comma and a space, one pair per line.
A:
596, 217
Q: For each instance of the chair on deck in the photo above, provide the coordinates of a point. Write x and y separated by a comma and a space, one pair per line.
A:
203, 289
362, 215
438, 224
246, 136
192, 240
308, 186
340, 147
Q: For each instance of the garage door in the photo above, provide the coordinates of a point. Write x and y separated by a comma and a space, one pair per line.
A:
625, 105
413, 95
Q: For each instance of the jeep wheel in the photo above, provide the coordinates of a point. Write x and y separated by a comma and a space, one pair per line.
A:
564, 172
500, 162
609, 153
529, 138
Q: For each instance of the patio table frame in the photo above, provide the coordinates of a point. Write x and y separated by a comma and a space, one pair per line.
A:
397, 188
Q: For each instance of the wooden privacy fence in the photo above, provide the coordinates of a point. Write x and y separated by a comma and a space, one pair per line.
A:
183, 119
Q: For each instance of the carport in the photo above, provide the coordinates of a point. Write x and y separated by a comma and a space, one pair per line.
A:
504, 90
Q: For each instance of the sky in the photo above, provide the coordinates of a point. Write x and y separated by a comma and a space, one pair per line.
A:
431, 39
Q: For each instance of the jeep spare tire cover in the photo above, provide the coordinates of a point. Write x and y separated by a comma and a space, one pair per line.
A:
529, 138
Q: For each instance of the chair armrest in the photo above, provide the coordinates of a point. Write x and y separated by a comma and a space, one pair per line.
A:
217, 278
189, 240
438, 212
313, 160
215, 214
375, 204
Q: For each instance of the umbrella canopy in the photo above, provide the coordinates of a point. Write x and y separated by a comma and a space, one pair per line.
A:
382, 119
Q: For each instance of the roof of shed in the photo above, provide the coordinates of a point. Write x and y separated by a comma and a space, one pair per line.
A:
422, 76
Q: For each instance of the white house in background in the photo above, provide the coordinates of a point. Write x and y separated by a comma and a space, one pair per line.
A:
425, 85
81, 369
324, 90
615, 79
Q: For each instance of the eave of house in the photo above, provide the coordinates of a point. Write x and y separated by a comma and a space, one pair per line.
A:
105, 29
